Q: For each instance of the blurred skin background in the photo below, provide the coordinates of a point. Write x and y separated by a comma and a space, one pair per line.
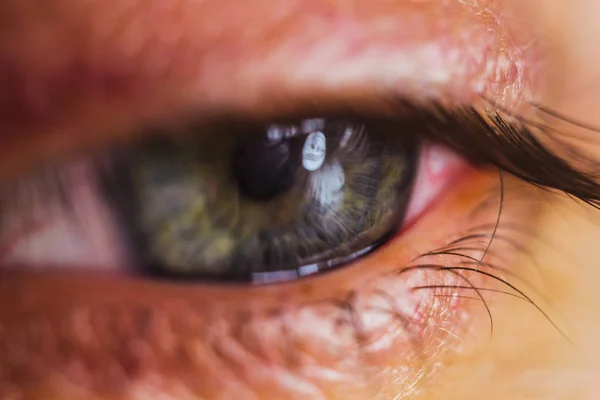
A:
86, 74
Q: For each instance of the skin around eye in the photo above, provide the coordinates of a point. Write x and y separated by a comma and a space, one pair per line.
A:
342, 335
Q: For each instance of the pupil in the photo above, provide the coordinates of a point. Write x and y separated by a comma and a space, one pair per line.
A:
264, 170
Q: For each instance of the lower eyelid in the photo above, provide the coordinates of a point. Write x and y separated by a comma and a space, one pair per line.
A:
220, 333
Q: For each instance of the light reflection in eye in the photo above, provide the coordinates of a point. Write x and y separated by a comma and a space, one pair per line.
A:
89, 233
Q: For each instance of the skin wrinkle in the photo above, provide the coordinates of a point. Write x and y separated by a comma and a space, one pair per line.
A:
114, 350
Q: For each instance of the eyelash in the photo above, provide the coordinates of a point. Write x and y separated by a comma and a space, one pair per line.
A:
487, 137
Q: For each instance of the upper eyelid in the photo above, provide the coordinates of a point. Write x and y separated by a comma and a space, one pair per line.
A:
150, 43
54, 107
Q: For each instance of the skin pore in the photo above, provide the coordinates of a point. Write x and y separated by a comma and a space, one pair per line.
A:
82, 75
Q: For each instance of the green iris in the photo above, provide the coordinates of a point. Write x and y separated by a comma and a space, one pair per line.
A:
291, 200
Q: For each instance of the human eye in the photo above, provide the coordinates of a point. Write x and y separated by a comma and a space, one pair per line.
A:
265, 216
